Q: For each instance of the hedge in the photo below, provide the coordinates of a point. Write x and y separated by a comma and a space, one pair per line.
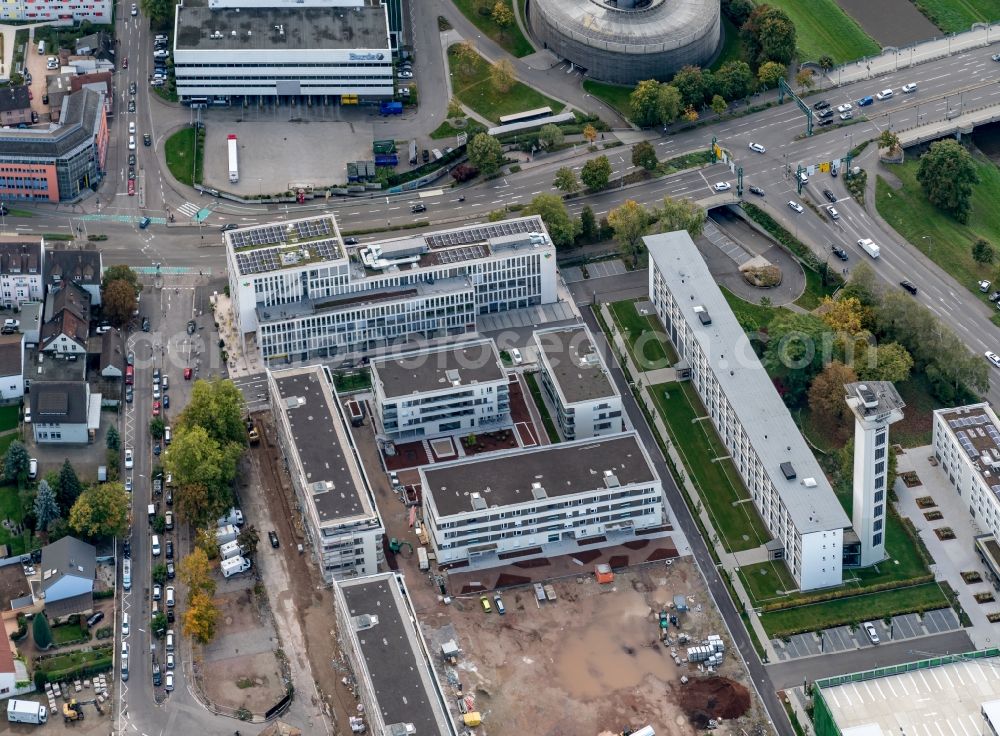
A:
73, 673
845, 593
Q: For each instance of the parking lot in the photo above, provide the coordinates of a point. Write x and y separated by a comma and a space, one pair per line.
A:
841, 638
597, 270
277, 157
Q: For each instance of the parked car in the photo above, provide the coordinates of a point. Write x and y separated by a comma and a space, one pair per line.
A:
129, 459
872, 633
824, 123
821, 105
846, 115
795, 206
825, 114
756, 190
273, 537
169, 686
846, 107
95, 619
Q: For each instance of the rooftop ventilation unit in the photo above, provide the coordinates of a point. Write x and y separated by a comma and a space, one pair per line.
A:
537, 492
867, 396
365, 621
610, 479
788, 470
322, 486
216, 34
809, 482
703, 315
478, 502
453, 377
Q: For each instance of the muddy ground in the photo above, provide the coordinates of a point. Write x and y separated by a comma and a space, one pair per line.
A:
891, 22
591, 661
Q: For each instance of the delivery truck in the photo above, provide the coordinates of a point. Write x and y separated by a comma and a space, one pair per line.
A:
869, 247
234, 566
225, 534
230, 549
234, 169
26, 711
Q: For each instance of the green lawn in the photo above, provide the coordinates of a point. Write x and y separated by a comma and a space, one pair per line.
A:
751, 315
824, 29
180, 151
764, 580
10, 508
614, 95
644, 336
719, 486
944, 240
5, 441
447, 130
536, 394
853, 610
953, 16
473, 87
511, 38
67, 634
10, 415
815, 290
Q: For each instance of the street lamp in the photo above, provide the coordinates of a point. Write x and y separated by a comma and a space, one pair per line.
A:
930, 244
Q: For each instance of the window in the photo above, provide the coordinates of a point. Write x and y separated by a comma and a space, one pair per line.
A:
879, 510
880, 467
879, 453
877, 539
877, 526
879, 495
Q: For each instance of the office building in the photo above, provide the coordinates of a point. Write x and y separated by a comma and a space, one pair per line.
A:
788, 488
876, 405
392, 665
303, 294
576, 382
64, 412
21, 274
967, 444
60, 162
338, 509
520, 503
448, 389
59, 11
308, 50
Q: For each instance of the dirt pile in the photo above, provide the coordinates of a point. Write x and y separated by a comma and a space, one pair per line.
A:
713, 697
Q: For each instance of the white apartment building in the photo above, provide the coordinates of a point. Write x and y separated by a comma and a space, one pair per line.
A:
63, 12
967, 444
392, 665
21, 272
302, 49
490, 509
789, 489
300, 293
447, 389
338, 508
576, 381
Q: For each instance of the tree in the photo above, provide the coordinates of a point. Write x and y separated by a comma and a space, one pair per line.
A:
596, 173
200, 618
643, 102
159, 524
113, 439
121, 273
552, 210
159, 12
734, 80
550, 136
159, 624
502, 14
101, 511
947, 174
16, 79
45, 506
629, 221
719, 105
502, 76
695, 85
485, 153
589, 133
466, 56
826, 62
827, 397
203, 472
69, 486
770, 72
195, 571
805, 79
119, 302
566, 180
865, 286
843, 315
888, 140
464, 172
15, 462
644, 155
798, 346
668, 104
159, 573
248, 539
157, 428
588, 223
58, 529
769, 35
690, 114
737, 10
886, 362
41, 632
680, 214
982, 252
217, 406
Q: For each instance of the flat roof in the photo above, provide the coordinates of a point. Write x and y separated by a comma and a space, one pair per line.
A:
572, 361
277, 245
335, 482
977, 430
942, 700
385, 637
745, 384
282, 28
506, 478
439, 368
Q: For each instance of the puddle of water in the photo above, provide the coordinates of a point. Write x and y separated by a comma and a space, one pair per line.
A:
613, 652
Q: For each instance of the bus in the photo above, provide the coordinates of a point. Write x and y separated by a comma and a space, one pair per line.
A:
520, 117
129, 375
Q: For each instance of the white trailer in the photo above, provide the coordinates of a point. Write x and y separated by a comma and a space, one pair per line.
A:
869, 247
234, 169
226, 533
26, 711
230, 549
234, 566
424, 562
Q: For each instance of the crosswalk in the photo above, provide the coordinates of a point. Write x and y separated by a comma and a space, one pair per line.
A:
189, 208
119, 218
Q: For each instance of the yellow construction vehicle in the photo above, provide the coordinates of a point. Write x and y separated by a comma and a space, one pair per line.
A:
72, 711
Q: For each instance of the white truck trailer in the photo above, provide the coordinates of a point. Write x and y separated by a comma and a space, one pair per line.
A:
26, 711
234, 566
227, 533
869, 247
230, 549
234, 169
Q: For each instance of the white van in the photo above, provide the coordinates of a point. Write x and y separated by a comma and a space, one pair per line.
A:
127, 573
33, 468
166, 435
170, 640
125, 628
170, 596
156, 546
41, 48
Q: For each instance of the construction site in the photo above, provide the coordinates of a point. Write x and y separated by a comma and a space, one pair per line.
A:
590, 657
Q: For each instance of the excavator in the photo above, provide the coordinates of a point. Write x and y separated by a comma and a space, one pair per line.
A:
396, 546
